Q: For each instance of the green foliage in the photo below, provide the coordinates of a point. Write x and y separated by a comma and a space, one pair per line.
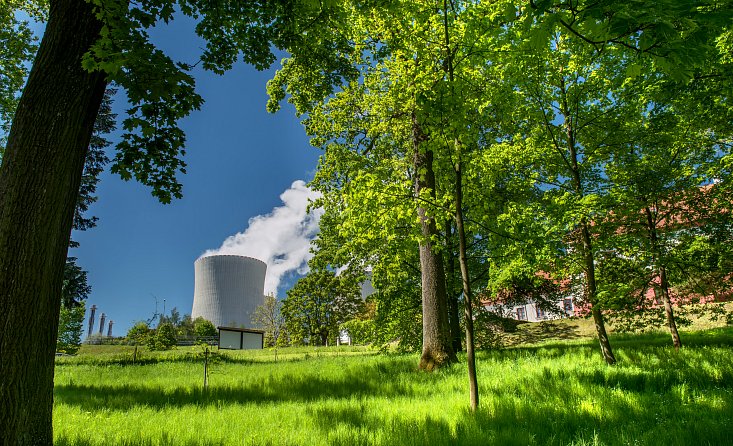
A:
203, 328
163, 338
318, 304
75, 288
71, 321
269, 318
361, 331
139, 333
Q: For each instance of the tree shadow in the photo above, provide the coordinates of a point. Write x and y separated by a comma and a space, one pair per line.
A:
636, 405
531, 333
382, 379
654, 396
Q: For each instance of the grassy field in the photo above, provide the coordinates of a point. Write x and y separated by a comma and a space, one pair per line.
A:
556, 393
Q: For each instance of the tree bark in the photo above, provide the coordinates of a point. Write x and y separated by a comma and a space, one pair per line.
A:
467, 296
39, 184
436, 348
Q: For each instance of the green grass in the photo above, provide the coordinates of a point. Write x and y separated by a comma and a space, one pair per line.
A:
556, 393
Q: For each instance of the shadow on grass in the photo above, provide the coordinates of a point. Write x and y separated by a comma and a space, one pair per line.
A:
679, 403
509, 423
531, 333
655, 396
381, 379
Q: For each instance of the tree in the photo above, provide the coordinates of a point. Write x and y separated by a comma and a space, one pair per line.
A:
71, 321
185, 328
318, 304
139, 333
74, 292
163, 337
51, 129
203, 328
268, 316
17, 47
398, 71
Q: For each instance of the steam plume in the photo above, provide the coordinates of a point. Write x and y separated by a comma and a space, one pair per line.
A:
281, 238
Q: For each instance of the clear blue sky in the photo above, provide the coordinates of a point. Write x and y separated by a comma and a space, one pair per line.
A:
240, 159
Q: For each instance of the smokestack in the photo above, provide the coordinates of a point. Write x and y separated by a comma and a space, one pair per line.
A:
109, 330
91, 319
101, 323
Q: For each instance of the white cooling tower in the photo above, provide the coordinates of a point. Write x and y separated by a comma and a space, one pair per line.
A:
228, 289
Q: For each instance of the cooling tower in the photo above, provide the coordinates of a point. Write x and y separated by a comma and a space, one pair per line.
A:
228, 289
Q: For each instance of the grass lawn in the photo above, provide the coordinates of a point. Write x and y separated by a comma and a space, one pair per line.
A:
556, 393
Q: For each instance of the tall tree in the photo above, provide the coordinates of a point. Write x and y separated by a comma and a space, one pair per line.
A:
568, 89
51, 129
268, 317
662, 179
318, 304
397, 74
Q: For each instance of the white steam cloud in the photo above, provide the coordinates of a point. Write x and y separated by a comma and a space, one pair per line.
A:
281, 238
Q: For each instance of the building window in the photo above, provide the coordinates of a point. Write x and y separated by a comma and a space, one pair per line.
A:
568, 305
540, 313
521, 314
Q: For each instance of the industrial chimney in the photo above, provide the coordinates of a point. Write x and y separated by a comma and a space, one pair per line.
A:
91, 319
101, 323
109, 330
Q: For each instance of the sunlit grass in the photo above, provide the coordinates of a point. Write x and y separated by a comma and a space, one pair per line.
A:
557, 393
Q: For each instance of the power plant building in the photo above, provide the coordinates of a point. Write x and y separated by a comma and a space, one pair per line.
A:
228, 289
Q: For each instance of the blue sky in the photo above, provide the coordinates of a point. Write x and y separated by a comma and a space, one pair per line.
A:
240, 160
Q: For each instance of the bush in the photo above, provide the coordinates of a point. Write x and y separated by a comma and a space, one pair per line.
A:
139, 333
164, 337
203, 328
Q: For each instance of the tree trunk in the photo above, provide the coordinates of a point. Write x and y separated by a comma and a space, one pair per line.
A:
590, 295
453, 318
663, 284
436, 348
668, 311
39, 184
467, 296
586, 245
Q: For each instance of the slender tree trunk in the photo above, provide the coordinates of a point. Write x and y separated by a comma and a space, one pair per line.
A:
663, 283
590, 295
668, 311
586, 246
436, 349
39, 184
467, 296
453, 318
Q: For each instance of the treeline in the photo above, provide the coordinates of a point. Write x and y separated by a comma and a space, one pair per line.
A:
170, 330
470, 148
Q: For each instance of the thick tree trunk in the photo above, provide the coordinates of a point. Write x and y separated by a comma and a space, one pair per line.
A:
454, 320
467, 296
436, 348
39, 184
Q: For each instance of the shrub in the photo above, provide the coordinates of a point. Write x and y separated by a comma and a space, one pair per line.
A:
139, 333
203, 328
164, 337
